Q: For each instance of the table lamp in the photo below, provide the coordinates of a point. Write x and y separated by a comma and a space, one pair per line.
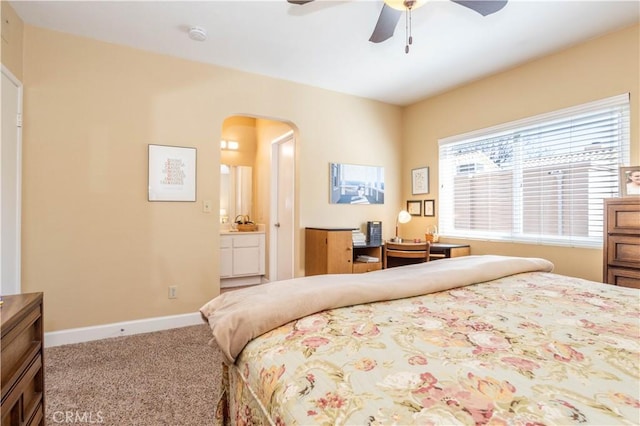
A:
403, 217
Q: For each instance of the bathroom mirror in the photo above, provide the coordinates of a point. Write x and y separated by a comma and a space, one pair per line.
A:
235, 192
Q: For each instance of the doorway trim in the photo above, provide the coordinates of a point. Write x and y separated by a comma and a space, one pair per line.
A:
13, 242
274, 252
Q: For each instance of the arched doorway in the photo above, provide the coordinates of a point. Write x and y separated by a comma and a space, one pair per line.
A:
267, 146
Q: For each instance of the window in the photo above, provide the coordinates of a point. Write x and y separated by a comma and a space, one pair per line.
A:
538, 180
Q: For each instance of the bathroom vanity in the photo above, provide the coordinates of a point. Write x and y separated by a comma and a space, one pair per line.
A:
242, 257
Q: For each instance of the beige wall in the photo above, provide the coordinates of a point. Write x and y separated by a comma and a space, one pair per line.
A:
597, 69
11, 45
102, 253
242, 130
91, 241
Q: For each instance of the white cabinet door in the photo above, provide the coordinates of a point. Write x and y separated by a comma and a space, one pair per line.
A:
226, 256
248, 254
242, 255
246, 261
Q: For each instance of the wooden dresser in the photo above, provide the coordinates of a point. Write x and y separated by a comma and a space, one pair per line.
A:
622, 242
22, 367
331, 251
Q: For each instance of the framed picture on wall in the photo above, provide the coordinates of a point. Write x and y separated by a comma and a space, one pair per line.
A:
414, 207
356, 184
630, 181
429, 207
172, 173
420, 181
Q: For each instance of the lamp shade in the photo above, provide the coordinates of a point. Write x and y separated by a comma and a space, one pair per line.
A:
404, 216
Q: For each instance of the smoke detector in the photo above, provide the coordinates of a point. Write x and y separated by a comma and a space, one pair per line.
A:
197, 34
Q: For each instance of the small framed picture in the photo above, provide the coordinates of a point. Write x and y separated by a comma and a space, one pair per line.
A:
414, 207
420, 181
630, 181
429, 207
172, 173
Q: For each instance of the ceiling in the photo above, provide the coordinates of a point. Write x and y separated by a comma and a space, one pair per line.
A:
325, 43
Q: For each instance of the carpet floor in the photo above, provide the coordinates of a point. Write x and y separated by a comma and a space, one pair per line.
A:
169, 377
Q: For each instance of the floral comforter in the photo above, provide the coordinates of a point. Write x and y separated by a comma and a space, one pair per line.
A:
531, 349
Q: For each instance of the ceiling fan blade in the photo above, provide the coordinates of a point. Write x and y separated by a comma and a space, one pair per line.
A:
483, 7
386, 25
300, 2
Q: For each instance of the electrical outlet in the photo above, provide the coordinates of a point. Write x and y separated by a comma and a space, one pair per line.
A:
173, 292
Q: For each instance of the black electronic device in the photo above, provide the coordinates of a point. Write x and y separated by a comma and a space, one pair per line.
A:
374, 233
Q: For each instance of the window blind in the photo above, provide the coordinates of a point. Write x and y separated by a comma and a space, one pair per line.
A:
540, 180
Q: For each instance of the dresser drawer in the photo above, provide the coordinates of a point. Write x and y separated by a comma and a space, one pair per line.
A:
19, 345
250, 240
623, 250
22, 354
623, 218
38, 416
624, 277
23, 402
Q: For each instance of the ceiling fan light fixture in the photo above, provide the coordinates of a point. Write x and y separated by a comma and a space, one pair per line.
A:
404, 4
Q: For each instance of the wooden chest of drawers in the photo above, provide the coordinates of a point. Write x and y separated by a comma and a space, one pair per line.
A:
22, 367
622, 242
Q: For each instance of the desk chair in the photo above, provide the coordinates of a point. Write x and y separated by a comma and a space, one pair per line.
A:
417, 252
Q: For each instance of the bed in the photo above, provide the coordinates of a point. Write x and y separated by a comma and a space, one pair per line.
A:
476, 340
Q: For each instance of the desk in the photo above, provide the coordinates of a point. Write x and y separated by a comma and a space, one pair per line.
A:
374, 251
442, 250
437, 251
331, 251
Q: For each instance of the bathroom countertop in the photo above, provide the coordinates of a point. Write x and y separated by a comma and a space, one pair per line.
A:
227, 231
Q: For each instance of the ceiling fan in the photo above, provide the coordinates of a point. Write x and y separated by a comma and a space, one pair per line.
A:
392, 10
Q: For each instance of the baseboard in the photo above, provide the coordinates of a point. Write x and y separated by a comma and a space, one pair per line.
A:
126, 328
